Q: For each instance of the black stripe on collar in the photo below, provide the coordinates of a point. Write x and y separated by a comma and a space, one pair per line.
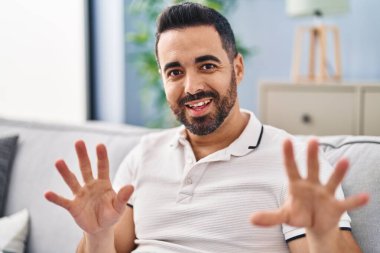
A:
258, 142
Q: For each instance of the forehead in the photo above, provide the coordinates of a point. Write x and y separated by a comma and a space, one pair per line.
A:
188, 43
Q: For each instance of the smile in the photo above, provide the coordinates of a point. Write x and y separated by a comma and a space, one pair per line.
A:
198, 104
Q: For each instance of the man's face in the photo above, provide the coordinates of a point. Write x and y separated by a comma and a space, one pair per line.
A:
199, 79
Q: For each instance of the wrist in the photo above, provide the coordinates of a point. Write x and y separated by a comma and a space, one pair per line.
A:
322, 235
328, 241
102, 241
99, 235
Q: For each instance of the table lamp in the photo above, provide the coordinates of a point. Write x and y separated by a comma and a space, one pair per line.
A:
318, 33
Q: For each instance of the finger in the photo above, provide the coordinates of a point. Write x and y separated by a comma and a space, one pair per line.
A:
268, 218
312, 161
84, 161
122, 198
290, 163
58, 200
68, 176
103, 163
337, 176
354, 202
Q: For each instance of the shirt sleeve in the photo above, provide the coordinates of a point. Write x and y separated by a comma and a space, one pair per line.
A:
325, 172
127, 172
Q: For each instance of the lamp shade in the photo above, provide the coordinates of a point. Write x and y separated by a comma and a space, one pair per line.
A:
311, 7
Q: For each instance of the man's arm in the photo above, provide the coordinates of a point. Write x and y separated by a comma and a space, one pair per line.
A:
125, 232
313, 205
345, 243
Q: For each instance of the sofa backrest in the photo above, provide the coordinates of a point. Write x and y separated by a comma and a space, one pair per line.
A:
33, 173
52, 228
363, 152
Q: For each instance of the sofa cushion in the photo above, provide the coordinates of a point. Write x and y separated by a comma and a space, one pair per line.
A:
7, 151
13, 232
363, 153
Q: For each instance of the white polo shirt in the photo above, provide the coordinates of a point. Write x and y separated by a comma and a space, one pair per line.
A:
185, 206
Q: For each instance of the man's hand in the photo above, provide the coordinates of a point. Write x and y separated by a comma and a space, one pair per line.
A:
310, 204
96, 207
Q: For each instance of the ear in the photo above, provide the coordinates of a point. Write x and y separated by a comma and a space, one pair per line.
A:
239, 68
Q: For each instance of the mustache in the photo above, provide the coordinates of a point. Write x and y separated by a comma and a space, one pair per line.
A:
197, 96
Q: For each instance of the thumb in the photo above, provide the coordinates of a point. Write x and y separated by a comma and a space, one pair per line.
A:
268, 218
122, 198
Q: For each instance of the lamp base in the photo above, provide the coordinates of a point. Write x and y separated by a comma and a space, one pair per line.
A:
318, 43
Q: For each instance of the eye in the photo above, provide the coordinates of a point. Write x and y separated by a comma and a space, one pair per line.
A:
208, 66
174, 73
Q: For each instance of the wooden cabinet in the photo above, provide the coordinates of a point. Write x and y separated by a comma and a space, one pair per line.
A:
321, 109
371, 110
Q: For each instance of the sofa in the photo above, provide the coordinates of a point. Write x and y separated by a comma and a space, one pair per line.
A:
37, 145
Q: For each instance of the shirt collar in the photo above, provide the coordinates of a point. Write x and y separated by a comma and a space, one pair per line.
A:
179, 137
248, 140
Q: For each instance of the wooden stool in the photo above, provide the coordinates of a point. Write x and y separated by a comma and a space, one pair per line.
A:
318, 42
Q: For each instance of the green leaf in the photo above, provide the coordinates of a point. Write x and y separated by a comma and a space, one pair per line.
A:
138, 38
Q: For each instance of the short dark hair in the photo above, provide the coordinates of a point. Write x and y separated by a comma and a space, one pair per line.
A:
193, 14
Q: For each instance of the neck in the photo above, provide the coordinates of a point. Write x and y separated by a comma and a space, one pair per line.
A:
222, 137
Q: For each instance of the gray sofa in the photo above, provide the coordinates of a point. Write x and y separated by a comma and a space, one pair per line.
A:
51, 229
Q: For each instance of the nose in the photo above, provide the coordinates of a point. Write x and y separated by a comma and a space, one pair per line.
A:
193, 83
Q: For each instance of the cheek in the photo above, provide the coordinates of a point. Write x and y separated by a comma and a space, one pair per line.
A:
173, 93
223, 84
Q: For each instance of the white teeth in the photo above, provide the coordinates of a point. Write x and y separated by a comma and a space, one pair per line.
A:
199, 104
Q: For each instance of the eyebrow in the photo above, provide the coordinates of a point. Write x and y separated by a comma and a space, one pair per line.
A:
171, 65
204, 58
199, 59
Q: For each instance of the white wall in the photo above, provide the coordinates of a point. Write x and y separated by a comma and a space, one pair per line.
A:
43, 60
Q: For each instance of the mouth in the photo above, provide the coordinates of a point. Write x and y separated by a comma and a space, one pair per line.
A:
198, 107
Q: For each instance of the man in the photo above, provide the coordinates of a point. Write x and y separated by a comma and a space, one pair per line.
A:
196, 186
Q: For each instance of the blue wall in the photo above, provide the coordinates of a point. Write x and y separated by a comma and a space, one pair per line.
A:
264, 26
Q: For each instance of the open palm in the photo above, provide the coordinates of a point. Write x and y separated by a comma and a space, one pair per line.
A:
310, 203
96, 206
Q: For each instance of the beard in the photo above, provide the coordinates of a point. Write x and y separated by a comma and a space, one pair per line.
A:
208, 123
